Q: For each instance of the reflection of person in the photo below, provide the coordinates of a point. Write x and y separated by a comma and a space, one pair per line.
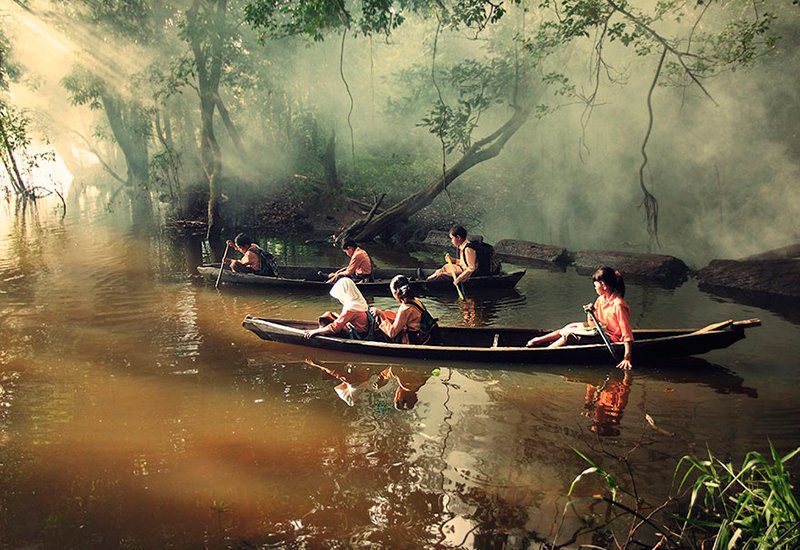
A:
605, 404
354, 380
354, 312
360, 266
409, 381
612, 313
411, 324
473, 259
470, 313
253, 260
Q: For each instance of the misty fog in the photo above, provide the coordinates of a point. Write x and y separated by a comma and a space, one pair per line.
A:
724, 171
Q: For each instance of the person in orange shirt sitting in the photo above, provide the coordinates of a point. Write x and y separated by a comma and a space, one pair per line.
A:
353, 321
411, 324
253, 260
612, 313
360, 266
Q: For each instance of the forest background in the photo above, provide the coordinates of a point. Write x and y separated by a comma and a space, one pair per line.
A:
643, 125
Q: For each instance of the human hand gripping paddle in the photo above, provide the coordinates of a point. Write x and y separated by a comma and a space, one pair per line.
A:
589, 308
453, 275
222, 264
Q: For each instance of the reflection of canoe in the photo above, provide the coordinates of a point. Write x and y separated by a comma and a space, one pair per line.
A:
505, 345
308, 278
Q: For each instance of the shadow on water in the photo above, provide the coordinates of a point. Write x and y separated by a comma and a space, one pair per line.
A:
346, 367
786, 307
480, 309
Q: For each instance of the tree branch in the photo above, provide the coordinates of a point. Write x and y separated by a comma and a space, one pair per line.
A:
666, 45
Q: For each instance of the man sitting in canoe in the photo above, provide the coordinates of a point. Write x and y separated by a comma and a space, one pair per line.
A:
360, 266
253, 260
474, 259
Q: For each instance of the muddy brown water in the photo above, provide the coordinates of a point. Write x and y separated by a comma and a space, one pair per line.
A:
136, 412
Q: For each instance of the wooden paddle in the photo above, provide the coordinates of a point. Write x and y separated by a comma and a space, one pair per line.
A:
222, 265
453, 275
603, 336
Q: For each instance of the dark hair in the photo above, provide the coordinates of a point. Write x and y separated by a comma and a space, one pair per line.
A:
458, 231
400, 285
243, 240
349, 243
612, 279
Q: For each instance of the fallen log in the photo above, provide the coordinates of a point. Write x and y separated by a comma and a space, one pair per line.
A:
783, 253
771, 277
532, 254
667, 270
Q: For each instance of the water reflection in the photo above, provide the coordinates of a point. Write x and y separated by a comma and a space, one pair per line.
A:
409, 381
604, 404
356, 379
136, 411
787, 307
486, 307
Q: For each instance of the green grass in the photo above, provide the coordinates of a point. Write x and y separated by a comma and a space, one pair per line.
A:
718, 505
752, 506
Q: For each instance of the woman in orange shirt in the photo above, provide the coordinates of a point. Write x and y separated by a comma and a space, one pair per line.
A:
612, 313
354, 312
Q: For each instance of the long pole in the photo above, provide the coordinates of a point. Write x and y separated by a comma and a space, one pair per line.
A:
222, 265
602, 333
453, 275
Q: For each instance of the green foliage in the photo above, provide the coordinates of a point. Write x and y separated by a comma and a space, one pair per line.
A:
314, 18
474, 86
15, 141
164, 172
9, 70
126, 18
397, 174
740, 41
752, 506
85, 87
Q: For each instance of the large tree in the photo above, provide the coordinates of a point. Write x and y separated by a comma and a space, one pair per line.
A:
105, 85
689, 43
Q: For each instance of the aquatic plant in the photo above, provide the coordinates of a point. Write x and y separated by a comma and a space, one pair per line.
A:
753, 506
718, 505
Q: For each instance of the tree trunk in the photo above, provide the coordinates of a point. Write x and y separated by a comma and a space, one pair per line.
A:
207, 52
236, 138
128, 124
483, 150
212, 166
11, 163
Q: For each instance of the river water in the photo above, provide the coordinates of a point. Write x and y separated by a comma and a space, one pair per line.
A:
136, 412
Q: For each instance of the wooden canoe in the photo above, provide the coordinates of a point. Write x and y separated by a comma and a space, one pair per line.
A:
308, 278
506, 345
